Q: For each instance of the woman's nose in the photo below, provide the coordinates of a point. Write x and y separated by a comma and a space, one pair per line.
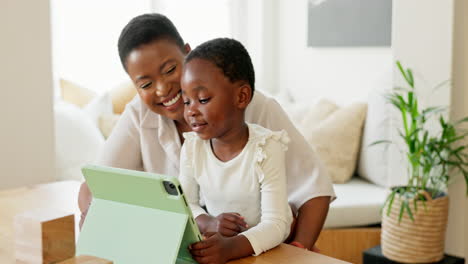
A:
162, 89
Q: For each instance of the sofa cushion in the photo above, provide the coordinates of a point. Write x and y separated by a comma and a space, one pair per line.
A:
335, 133
358, 203
374, 161
75, 94
77, 141
121, 95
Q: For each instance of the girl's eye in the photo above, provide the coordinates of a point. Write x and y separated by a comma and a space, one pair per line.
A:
204, 101
186, 102
146, 85
172, 69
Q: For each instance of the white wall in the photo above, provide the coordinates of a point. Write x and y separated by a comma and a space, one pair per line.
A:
457, 233
26, 130
342, 74
428, 38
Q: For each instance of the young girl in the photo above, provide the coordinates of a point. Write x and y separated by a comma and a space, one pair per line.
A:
237, 167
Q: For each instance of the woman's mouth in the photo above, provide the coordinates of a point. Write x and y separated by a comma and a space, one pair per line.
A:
171, 102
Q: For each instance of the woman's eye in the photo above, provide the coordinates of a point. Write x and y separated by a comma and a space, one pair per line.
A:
204, 101
146, 85
172, 69
186, 102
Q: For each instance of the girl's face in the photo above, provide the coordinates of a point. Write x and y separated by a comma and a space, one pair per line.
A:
155, 69
213, 104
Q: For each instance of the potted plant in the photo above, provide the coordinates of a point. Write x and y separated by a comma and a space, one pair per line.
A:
415, 216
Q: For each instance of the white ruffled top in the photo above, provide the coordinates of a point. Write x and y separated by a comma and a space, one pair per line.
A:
252, 184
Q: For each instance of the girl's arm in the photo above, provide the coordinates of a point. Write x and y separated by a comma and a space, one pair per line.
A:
309, 187
276, 216
188, 182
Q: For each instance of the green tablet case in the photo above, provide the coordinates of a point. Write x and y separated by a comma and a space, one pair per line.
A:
133, 218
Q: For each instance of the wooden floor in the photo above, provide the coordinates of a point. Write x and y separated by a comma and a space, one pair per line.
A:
348, 243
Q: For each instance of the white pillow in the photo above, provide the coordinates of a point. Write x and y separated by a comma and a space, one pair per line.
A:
335, 133
107, 122
374, 161
99, 106
77, 141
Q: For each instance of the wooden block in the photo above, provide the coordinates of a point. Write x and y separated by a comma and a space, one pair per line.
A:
44, 236
348, 243
86, 260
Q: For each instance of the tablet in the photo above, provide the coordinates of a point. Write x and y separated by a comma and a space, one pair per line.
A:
136, 217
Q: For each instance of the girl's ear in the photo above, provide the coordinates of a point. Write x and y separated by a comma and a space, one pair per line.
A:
187, 48
244, 95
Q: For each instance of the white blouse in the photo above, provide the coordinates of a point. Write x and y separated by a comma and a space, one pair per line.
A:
252, 184
143, 140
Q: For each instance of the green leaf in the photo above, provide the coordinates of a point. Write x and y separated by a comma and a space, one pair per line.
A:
380, 142
441, 84
402, 208
407, 78
415, 203
410, 77
465, 174
462, 120
408, 209
392, 197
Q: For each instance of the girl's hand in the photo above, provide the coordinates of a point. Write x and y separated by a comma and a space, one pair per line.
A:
214, 249
227, 224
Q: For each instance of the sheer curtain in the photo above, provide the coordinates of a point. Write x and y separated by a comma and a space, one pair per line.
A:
84, 40
85, 33
198, 21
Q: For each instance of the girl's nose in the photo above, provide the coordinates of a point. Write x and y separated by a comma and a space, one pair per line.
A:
191, 109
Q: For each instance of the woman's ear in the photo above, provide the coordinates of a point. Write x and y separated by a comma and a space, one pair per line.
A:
244, 95
187, 48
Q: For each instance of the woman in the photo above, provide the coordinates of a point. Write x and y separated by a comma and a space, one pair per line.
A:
148, 136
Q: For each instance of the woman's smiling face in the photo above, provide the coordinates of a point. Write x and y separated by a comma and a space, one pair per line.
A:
155, 69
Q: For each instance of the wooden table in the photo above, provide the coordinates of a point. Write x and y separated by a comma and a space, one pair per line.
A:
63, 196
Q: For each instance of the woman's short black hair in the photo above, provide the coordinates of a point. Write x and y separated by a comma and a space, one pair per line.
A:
230, 56
144, 29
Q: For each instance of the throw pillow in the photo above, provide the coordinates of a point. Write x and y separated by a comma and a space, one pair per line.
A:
75, 94
107, 122
374, 161
335, 133
100, 105
121, 95
78, 141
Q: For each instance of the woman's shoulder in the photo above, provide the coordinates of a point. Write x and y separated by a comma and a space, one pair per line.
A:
142, 114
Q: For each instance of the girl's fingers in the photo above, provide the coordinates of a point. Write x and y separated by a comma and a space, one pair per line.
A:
206, 243
231, 226
235, 218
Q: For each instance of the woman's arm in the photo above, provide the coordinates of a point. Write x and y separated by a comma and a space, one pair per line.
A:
121, 150
310, 220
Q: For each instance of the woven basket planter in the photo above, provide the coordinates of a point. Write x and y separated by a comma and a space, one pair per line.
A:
421, 241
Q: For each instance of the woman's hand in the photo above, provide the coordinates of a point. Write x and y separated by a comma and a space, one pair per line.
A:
227, 224
214, 249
